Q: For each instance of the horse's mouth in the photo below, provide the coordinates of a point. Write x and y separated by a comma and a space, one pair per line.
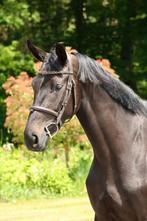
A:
38, 148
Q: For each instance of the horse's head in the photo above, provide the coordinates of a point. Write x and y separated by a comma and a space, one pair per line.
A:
56, 97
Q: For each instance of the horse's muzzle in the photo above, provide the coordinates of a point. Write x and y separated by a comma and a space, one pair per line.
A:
35, 142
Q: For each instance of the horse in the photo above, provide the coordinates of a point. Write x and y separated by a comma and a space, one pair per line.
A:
114, 119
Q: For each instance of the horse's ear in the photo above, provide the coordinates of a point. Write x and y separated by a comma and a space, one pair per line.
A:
61, 53
37, 52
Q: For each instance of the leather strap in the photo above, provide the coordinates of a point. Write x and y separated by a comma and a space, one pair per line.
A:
45, 110
53, 72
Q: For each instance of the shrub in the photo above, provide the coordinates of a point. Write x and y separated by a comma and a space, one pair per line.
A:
18, 103
23, 176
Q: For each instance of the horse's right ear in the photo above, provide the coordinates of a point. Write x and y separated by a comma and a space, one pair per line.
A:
37, 52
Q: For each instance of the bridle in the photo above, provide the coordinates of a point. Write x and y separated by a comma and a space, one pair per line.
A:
52, 128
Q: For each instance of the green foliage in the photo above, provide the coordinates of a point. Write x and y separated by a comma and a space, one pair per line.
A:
142, 88
15, 18
79, 166
23, 176
13, 61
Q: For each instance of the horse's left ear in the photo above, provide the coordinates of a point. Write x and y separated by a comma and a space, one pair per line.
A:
61, 53
37, 52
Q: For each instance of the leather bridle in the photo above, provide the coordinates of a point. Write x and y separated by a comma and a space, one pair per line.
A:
52, 128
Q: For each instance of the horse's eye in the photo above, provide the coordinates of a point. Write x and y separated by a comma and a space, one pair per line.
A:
58, 86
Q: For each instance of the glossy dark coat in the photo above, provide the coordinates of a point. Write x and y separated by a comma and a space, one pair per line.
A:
115, 121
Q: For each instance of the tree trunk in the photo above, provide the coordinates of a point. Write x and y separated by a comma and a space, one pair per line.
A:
127, 45
78, 8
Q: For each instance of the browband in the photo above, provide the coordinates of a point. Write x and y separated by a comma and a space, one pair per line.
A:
53, 73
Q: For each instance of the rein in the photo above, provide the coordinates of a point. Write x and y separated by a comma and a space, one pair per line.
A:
55, 126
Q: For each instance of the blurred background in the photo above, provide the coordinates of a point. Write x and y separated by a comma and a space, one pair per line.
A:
113, 30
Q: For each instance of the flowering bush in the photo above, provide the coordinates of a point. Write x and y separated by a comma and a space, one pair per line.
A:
107, 66
19, 99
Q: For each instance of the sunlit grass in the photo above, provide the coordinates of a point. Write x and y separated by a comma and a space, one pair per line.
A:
71, 209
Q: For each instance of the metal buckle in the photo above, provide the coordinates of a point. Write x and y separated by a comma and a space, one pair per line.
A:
54, 128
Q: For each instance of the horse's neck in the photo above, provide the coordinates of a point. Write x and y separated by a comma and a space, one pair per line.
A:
119, 145
103, 120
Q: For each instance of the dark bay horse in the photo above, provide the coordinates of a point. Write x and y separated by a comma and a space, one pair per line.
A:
114, 119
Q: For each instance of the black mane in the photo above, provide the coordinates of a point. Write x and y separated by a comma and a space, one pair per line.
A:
92, 72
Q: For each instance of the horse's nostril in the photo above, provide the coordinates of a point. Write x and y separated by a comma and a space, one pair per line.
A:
35, 139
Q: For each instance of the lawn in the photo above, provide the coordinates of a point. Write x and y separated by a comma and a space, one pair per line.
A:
71, 209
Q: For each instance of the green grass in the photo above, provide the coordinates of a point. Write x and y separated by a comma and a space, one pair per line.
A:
69, 209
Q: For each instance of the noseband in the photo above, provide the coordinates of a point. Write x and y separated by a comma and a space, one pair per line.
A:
55, 126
